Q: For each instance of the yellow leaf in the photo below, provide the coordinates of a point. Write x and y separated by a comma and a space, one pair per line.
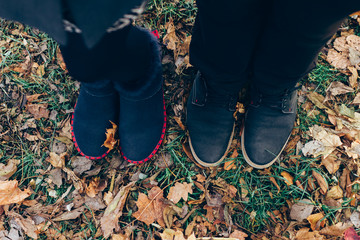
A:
110, 141
288, 178
314, 221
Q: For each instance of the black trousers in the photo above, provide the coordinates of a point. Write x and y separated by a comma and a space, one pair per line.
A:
274, 40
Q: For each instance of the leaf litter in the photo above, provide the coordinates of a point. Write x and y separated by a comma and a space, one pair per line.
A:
205, 204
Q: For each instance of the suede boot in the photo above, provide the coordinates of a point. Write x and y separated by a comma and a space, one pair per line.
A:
210, 122
97, 105
268, 125
142, 107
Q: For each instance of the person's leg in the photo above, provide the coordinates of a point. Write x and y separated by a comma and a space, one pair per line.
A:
296, 32
222, 46
126, 65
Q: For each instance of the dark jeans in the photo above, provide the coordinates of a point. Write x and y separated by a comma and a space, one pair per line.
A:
276, 41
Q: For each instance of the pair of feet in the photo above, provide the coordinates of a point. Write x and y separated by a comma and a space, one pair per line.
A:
141, 123
268, 124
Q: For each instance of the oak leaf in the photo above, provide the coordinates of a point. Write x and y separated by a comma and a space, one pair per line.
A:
10, 193
178, 191
110, 141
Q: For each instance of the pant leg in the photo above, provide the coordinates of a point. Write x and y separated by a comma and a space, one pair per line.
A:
123, 57
223, 40
291, 42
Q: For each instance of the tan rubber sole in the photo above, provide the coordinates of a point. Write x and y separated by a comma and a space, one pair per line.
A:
202, 163
251, 163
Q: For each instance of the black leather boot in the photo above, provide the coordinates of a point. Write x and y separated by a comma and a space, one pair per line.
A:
96, 106
210, 122
268, 124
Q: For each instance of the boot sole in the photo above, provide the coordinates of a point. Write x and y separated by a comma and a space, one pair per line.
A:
205, 164
251, 163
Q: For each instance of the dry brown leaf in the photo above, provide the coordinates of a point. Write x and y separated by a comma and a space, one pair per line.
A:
78, 183
109, 220
110, 141
200, 178
6, 171
38, 110
60, 59
354, 150
335, 193
288, 178
318, 100
56, 160
81, 165
239, 235
336, 230
95, 186
321, 181
228, 165
272, 179
356, 99
178, 191
179, 122
156, 195
146, 211
10, 193
354, 76
26, 224
338, 59
69, 215
338, 88
328, 140
301, 210
304, 234
331, 163
315, 222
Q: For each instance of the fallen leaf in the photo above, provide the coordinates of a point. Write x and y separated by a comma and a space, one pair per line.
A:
56, 176
178, 191
81, 165
321, 181
350, 234
230, 164
336, 230
58, 161
78, 183
288, 178
10, 193
156, 195
328, 140
355, 219
239, 235
301, 210
95, 203
6, 171
69, 215
354, 150
38, 110
331, 163
110, 219
27, 224
354, 76
110, 141
146, 211
95, 186
338, 88
335, 193
304, 234
272, 179
315, 222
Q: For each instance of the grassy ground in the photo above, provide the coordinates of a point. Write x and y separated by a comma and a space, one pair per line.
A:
31, 65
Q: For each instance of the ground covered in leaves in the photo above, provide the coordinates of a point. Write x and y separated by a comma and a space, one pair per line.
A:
48, 191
